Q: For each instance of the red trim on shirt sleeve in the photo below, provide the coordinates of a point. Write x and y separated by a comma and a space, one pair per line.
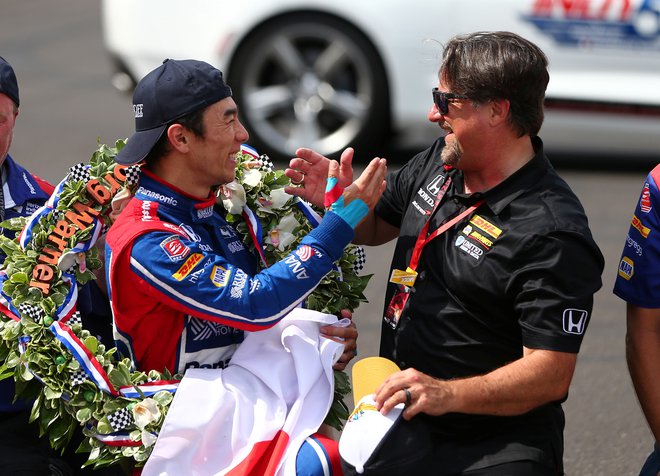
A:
44, 185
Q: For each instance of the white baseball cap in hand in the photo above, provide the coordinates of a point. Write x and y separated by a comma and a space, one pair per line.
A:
366, 426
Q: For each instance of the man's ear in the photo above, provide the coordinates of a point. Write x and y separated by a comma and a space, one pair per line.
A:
499, 111
178, 137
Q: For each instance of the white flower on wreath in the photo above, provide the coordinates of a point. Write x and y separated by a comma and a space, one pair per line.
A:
282, 235
251, 177
148, 438
276, 200
233, 199
146, 412
71, 258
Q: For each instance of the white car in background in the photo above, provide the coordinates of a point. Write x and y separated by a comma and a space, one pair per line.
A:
328, 74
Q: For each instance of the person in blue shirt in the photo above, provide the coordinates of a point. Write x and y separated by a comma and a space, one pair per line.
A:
638, 283
22, 451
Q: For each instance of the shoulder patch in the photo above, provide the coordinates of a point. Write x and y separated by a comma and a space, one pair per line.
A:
174, 248
626, 268
645, 200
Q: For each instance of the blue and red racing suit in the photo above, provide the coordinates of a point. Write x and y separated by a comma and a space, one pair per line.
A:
638, 276
23, 194
183, 287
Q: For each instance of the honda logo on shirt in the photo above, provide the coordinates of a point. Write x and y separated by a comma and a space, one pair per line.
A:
434, 186
575, 321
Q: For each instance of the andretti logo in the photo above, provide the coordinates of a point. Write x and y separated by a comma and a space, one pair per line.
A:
645, 201
174, 248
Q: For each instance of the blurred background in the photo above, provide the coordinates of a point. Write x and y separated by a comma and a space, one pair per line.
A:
69, 103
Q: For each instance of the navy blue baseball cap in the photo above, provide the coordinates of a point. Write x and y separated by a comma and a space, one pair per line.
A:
8, 83
174, 89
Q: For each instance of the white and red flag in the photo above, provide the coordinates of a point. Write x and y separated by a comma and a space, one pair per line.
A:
252, 417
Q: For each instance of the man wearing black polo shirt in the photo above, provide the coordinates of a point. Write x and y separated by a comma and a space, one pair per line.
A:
493, 276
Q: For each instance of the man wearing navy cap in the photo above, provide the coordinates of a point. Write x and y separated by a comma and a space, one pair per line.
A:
22, 451
183, 286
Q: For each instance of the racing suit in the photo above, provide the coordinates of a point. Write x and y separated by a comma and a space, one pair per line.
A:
22, 194
184, 288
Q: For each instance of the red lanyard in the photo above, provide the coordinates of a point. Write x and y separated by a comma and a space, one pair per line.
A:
406, 279
423, 239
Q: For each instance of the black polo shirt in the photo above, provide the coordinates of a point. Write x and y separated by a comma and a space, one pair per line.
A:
519, 271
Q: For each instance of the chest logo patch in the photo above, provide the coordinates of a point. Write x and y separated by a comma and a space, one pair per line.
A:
31, 207
485, 226
174, 248
202, 330
190, 232
465, 245
220, 276
227, 232
478, 237
205, 212
434, 187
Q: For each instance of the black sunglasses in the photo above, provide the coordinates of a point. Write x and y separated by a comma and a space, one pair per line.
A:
441, 99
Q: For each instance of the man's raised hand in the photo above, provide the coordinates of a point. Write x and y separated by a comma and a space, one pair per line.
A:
308, 172
354, 202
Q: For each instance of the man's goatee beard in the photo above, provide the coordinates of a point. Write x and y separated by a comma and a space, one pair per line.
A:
451, 154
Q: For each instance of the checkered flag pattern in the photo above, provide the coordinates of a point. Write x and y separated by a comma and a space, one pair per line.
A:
71, 269
360, 259
33, 312
121, 419
132, 175
79, 172
75, 318
266, 163
78, 377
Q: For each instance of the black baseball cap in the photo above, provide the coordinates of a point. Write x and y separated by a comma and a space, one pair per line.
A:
8, 83
174, 89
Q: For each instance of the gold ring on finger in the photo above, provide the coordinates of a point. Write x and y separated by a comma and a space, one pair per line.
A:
299, 182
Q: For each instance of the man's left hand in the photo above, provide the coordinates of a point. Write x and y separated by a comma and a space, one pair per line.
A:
420, 393
347, 336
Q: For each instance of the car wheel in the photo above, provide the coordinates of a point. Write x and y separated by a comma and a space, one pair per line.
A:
310, 80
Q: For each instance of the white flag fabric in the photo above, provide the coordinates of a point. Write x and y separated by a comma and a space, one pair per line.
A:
252, 417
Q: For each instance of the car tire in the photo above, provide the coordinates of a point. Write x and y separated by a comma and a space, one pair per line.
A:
310, 80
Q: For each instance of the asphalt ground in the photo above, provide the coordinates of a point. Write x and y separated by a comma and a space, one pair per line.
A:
68, 104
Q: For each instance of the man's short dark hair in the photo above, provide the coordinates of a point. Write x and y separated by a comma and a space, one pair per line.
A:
499, 65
